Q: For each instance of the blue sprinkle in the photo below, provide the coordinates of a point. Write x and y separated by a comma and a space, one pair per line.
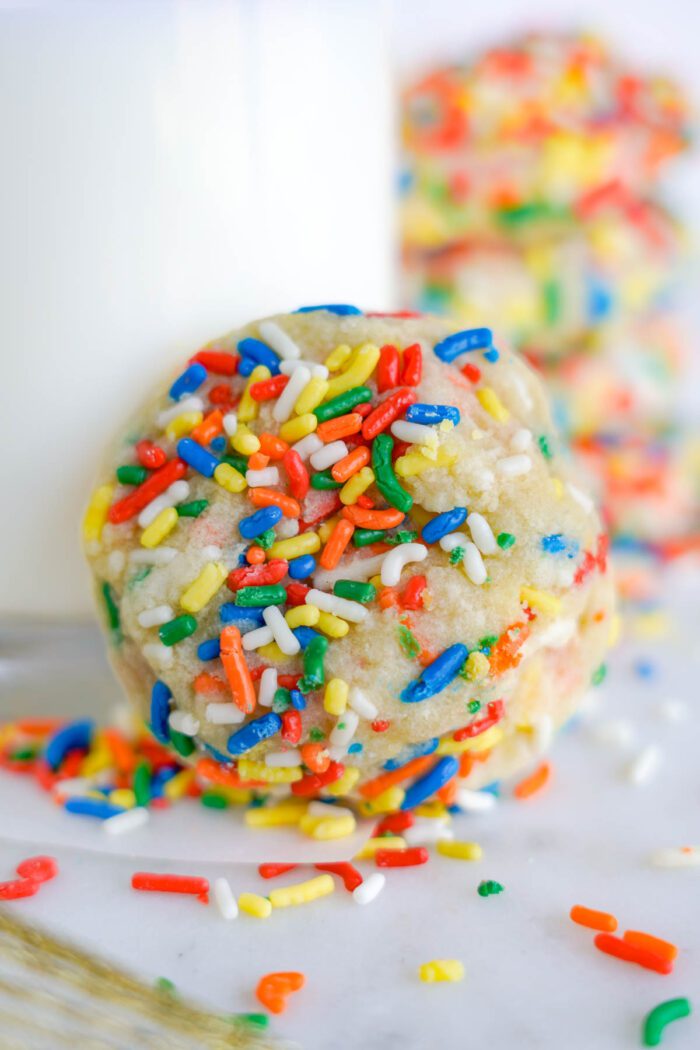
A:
433, 780
253, 732
340, 309
492, 355
92, 807
404, 181
209, 650
263, 519
246, 366
190, 380
69, 738
160, 711
355, 748
448, 521
302, 567
463, 342
218, 444
436, 675
645, 669
298, 700
599, 300
429, 415
261, 353
411, 751
557, 543
304, 635
221, 758
229, 612
197, 457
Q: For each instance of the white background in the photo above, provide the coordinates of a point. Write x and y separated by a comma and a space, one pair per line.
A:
173, 167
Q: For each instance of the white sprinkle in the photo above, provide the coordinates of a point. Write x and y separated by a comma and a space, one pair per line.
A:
183, 722
223, 714
342, 607
230, 423
482, 479
521, 440
157, 653
514, 466
281, 630
414, 433
129, 820
360, 702
682, 857
188, 404
344, 729
582, 498
475, 801
543, 727
359, 569
256, 639
306, 446
558, 633
157, 556
73, 787
370, 888
474, 564
267, 687
523, 393
284, 405
644, 766
395, 560
267, 476
426, 830
286, 528
614, 732
277, 338
225, 900
673, 710
283, 759
481, 533
328, 809
178, 491
317, 370
155, 616
116, 560
211, 553
328, 455
452, 540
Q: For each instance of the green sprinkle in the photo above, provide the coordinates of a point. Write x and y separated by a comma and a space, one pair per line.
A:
474, 706
338, 406
545, 446
385, 478
316, 734
213, 800
163, 984
249, 1020
531, 211
174, 631
323, 479
239, 462
363, 537
488, 641
184, 745
112, 610
266, 539
355, 591
657, 1019
403, 536
131, 475
25, 754
408, 642
141, 784
489, 887
281, 700
551, 294
139, 576
599, 674
505, 540
193, 509
251, 597
314, 655
456, 555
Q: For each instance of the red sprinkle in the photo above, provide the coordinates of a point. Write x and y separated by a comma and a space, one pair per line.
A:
395, 823
221, 395
12, 891
268, 389
296, 593
150, 455
386, 412
380, 725
159, 481
153, 882
217, 361
471, 372
313, 782
413, 592
412, 365
611, 945
387, 369
291, 726
297, 473
494, 713
38, 869
271, 871
350, 875
401, 858
257, 575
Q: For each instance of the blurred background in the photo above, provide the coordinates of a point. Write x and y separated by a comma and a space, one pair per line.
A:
175, 167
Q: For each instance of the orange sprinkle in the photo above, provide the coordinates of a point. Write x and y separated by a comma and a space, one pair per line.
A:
263, 497
255, 555
426, 657
350, 464
387, 598
534, 783
372, 788
504, 654
272, 446
373, 519
466, 764
664, 949
37, 726
274, 988
594, 920
448, 793
315, 757
210, 427
122, 752
258, 461
337, 542
209, 683
340, 427
237, 670
209, 769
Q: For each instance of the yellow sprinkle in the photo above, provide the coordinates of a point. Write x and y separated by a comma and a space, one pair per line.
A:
248, 407
338, 357
415, 462
346, 783
273, 652
159, 528
381, 842
557, 487
250, 770
302, 616
255, 905
389, 801
483, 742
356, 485
183, 424
459, 850
202, 590
302, 892
615, 629
325, 529
376, 581
434, 810
98, 759
245, 441
311, 396
332, 625
96, 513
295, 429
543, 601
229, 478
288, 812
477, 666
325, 828
123, 797
655, 624
441, 970
306, 543
335, 698
357, 372
178, 786
491, 403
